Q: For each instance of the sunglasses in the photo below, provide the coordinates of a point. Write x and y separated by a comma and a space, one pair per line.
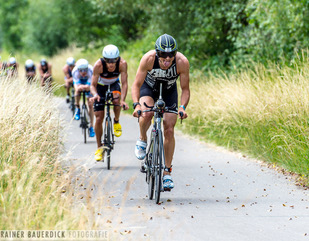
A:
164, 55
83, 70
111, 60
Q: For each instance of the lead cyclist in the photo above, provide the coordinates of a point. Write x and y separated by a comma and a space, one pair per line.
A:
166, 64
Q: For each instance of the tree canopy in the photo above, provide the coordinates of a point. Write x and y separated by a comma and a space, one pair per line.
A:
211, 33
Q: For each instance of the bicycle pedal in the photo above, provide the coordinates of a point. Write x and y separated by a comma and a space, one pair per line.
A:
142, 170
167, 189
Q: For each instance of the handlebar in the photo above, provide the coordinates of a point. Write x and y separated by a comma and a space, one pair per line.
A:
162, 109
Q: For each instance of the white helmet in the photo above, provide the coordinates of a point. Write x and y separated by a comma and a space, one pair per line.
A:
110, 52
82, 64
29, 63
12, 60
70, 61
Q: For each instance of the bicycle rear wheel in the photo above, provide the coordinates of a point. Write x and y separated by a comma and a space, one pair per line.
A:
150, 179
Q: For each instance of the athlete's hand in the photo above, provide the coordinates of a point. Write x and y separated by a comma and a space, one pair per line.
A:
183, 115
137, 112
96, 98
124, 105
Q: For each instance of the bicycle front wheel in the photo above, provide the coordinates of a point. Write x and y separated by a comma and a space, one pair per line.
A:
73, 102
157, 155
108, 141
85, 123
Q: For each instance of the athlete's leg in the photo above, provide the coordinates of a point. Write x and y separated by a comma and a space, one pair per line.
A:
169, 122
145, 120
91, 113
117, 109
99, 117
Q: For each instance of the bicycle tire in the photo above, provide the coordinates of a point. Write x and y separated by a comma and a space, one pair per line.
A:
108, 141
85, 123
149, 173
72, 103
108, 162
158, 168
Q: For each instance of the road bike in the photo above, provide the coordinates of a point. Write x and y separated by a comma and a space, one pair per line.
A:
155, 158
84, 123
108, 132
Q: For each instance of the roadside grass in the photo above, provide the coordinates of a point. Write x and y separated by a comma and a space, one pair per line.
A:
261, 112
32, 182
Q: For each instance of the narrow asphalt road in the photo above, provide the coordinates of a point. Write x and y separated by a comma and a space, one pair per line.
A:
218, 195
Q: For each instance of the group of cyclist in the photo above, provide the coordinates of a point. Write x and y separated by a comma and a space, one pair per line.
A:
164, 64
45, 72
10, 69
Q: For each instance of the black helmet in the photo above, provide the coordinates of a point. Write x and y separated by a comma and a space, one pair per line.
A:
166, 44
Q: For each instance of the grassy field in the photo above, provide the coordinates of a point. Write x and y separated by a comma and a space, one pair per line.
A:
32, 183
261, 112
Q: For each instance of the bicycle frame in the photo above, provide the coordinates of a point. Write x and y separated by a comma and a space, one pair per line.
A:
108, 134
155, 156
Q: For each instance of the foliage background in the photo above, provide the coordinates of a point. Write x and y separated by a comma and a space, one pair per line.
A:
213, 34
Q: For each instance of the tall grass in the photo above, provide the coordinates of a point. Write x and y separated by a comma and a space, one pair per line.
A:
261, 112
31, 179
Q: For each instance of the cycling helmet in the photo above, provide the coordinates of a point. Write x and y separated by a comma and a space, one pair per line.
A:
12, 60
29, 63
70, 61
82, 64
110, 52
166, 44
43, 62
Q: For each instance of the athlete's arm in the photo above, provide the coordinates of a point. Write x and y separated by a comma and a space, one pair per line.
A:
183, 68
124, 81
49, 71
41, 71
65, 70
145, 65
94, 80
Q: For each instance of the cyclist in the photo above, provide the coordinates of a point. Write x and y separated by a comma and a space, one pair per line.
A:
82, 74
67, 70
45, 70
165, 64
4, 68
12, 67
106, 72
30, 70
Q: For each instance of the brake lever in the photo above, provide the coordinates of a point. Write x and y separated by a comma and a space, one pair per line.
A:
139, 112
181, 115
150, 107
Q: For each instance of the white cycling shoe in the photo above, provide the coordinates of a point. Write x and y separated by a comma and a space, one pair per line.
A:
168, 183
140, 149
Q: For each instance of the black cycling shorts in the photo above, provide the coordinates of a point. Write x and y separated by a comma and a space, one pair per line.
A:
99, 106
170, 96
